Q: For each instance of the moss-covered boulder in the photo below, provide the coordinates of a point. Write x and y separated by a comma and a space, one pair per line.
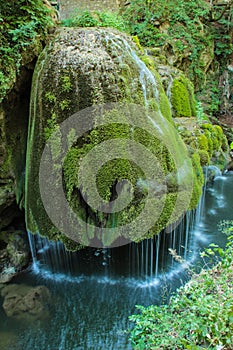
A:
88, 67
182, 97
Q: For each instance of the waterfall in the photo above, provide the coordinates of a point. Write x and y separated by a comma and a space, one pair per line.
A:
51, 257
146, 77
150, 257
145, 261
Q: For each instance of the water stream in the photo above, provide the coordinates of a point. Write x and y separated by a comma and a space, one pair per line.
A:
95, 290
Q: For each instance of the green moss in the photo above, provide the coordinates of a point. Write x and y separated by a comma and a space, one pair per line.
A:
210, 141
164, 103
137, 42
198, 181
203, 143
219, 135
70, 169
50, 97
149, 62
183, 101
153, 104
51, 127
66, 83
215, 134
204, 157
225, 146
121, 83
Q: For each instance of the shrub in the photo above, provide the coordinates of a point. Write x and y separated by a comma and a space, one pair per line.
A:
22, 23
96, 19
199, 316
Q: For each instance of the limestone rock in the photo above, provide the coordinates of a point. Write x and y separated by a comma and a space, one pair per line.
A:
14, 254
26, 303
87, 67
7, 274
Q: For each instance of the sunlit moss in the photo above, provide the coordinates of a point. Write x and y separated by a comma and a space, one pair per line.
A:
183, 101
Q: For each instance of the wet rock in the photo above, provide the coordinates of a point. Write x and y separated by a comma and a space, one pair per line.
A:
18, 251
26, 303
6, 196
7, 274
8, 208
14, 254
229, 167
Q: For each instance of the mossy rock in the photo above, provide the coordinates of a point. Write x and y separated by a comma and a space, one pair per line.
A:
182, 99
204, 157
215, 133
83, 68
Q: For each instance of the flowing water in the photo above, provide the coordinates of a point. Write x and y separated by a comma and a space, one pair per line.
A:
94, 291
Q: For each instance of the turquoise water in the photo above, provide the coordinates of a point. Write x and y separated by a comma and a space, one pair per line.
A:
91, 301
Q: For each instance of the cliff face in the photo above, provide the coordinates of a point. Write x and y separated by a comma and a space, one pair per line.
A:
14, 124
24, 28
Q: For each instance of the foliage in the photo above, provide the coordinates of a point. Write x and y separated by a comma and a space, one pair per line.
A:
223, 30
199, 316
188, 28
51, 127
96, 19
211, 95
216, 134
22, 24
201, 116
184, 32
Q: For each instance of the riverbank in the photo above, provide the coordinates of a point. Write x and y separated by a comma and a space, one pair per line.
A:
199, 315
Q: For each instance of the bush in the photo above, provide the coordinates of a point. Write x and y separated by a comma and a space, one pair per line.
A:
96, 19
199, 316
22, 23
193, 27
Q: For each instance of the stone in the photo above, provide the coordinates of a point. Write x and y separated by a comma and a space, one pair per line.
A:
84, 67
14, 254
7, 274
2, 285
26, 303
18, 251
